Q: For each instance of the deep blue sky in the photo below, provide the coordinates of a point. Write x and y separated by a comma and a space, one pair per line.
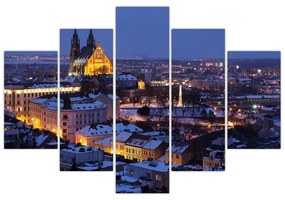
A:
30, 53
142, 32
253, 54
198, 43
104, 35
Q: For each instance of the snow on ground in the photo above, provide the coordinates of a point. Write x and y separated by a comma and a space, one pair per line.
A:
124, 188
137, 105
128, 179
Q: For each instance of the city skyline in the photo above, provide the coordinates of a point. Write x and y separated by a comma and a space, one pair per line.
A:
30, 53
142, 32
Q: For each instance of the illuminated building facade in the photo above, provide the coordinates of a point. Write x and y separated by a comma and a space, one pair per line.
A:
18, 96
90, 60
75, 114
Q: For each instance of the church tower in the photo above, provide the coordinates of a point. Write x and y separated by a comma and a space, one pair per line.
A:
91, 40
75, 47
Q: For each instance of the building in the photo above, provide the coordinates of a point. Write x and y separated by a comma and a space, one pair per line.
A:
215, 159
121, 139
90, 60
72, 156
134, 146
90, 135
126, 81
108, 100
151, 173
208, 84
76, 112
259, 99
179, 154
17, 96
105, 144
153, 150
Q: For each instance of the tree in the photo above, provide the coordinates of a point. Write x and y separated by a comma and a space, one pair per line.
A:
144, 110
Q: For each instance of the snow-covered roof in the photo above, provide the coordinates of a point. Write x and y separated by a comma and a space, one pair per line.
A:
79, 98
126, 77
46, 85
100, 129
137, 142
79, 149
105, 142
94, 96
123, 137
152, 165
112, 96
80, 61
152, 144
152, 133
39, 100
88, 106
178, 148
52, 105
40, 139
121, 127
122, 130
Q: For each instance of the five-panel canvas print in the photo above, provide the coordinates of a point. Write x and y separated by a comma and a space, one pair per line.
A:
150, 108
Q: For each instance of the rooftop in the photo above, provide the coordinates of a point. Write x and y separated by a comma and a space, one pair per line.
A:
152, 165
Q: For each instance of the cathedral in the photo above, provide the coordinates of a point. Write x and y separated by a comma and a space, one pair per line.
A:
90, 60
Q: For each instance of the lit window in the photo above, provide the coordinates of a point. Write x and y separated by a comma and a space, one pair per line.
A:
158, 177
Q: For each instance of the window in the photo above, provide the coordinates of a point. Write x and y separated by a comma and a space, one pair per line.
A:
131, 172
64, 130
18, 95
64, 123
177, 156
147, 175
158, 177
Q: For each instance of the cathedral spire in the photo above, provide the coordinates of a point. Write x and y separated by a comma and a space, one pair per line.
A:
75, 47
91, 40
98, 43
75, 40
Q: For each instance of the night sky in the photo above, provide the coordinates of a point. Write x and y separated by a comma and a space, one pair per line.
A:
30, 53
104, 35
142, 32
198, 43
253, 54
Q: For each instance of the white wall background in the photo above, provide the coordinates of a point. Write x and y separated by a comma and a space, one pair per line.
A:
34, 25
